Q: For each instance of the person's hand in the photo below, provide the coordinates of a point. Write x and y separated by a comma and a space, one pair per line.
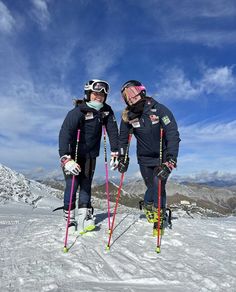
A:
163, 171
114, 160
69, 165
123, 164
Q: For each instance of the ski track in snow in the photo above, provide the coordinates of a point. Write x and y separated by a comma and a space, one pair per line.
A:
196, 255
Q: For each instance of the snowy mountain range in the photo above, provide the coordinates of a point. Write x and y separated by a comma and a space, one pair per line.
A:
218, 199
15, 186
214, 179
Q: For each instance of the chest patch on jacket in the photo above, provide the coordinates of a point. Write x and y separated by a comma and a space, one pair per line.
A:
154, 119
89, 116
135, 123
105, 114
166, 120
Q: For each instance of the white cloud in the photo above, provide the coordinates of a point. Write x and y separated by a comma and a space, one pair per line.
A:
205, 160
7, 21
207, 8
103, 56
190, 10
33, 107
40, 12
174, 84
204, 22
208, 147
31, 112
218, 80
206, 176
210, 38
205, 133
24, 153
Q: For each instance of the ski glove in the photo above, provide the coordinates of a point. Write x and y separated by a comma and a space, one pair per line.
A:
69, 165
123, 164
114, 160
163, 171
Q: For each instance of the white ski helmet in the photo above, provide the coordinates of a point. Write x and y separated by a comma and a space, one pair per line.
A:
96, 85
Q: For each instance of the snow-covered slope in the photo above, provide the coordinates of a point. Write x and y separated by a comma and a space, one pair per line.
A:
196, 255
15, 187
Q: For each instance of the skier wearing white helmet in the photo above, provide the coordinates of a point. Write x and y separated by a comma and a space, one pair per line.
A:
89, 115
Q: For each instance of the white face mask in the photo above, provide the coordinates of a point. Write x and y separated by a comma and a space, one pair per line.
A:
95, 104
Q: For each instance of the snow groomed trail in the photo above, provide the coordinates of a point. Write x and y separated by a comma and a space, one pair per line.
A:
196, 255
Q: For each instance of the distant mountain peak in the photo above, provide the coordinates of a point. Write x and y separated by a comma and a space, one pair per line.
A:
15, 186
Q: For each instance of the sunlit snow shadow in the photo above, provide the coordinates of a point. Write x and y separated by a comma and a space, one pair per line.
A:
126, 229
101, 217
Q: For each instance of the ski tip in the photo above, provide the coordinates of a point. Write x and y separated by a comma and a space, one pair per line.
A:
65, 249
107, 247
158, 249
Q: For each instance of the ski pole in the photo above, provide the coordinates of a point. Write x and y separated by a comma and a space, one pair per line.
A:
118, 195
158, 248
107, 180
65, 249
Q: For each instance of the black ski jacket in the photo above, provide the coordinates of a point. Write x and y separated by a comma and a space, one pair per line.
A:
90, 122
146, 129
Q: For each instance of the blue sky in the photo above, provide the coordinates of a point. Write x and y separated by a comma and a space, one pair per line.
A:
184, 52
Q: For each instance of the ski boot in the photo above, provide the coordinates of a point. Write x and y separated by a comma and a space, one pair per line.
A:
85, 220
89, 223
73, 224
151, 213
155, 225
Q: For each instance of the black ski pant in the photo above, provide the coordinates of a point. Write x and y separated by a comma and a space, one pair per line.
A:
151, 182
83, 181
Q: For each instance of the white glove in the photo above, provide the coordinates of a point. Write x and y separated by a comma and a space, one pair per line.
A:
70, 166
114, 160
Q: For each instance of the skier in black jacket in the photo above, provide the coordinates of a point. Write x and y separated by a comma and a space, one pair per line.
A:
89, 116
145, 117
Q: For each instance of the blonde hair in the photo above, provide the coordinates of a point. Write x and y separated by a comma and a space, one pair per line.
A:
125, 115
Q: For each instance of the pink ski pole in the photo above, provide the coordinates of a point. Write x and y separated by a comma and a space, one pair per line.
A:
118, 195
158, 248
107, 179
65, 249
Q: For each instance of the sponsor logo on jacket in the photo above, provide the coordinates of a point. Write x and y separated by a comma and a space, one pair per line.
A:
154, 119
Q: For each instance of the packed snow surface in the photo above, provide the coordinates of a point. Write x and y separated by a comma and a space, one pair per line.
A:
196, 254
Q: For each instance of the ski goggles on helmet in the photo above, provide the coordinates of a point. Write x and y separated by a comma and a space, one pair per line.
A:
131, 92
98, 86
